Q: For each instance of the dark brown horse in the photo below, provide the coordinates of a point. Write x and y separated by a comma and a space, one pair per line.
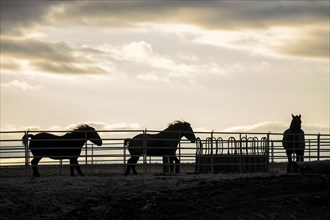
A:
56, 147
164, 143
294, 139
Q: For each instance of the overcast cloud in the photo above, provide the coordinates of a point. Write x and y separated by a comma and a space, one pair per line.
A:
222, 20
236, 65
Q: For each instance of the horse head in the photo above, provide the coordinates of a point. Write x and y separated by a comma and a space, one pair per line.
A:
91, 133
295, 123
189, 133
185, 130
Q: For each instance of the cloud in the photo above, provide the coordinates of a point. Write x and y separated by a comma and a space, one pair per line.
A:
271, 27
213, 15
137, 51
278, 127
149, 64
262, 127
313, 41
16, 84
154, 77
46, 57
36, 50
258, 27
97, 125
18, 17
59, 58
117, 126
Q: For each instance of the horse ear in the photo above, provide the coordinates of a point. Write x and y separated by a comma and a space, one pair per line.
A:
299, 116
292, 115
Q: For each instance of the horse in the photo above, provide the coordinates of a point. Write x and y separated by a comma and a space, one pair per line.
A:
164, 143
294, 139
56, 147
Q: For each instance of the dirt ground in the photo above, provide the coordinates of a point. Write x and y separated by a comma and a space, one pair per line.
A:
184, 196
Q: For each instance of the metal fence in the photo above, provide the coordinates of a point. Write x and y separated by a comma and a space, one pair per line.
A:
112, 156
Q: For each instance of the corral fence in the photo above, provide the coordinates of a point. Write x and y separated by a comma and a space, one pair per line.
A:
213, 152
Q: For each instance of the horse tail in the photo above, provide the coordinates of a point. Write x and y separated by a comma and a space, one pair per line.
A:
127, 141
25, 139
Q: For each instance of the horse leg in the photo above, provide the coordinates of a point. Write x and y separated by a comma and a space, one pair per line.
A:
288, 153
171, 163
300, 155
131, 165
166, 164
177, 164
74, 164
34, 163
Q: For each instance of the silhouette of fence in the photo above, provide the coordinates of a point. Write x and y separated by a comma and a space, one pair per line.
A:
248, 154
213, 152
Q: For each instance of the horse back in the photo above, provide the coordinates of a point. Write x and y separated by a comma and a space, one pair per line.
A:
41, 138
55, 147
154, 140
156, 145
293, 139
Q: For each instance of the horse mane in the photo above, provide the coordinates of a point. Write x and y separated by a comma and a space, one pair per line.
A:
79, 130
177, 122
82, 127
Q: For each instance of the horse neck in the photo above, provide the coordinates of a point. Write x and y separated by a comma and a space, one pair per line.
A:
80, 136
172, 133
295, 128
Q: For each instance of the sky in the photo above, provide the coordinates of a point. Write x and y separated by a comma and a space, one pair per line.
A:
219, 65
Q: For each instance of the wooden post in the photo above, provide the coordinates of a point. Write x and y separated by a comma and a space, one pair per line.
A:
144, 152
26, 146
212, 158
318, 146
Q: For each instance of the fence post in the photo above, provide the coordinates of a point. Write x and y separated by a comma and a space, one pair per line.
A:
212, 158
318, 146
309, 150
86, 156
272, 152
267, 152
144, 152
124, 156
26, 153
240, 154
179, 164
92, 160
197, 154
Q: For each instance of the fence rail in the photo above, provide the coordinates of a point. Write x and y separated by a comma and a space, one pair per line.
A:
113, 153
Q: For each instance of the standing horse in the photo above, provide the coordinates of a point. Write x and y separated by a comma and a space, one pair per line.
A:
165, 144
56, 147
294, 139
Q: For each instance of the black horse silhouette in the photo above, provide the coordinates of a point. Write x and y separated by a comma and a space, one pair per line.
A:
56, 147
164, 143
294, 139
